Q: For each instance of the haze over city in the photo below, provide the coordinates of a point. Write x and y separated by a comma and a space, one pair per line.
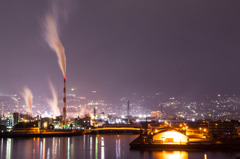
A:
178, 48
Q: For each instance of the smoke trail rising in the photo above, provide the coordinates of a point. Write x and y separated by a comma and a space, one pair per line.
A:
15, 99
53, 103
52, 38
27, 95
84, 111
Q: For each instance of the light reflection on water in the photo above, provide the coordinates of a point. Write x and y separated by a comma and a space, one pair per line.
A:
68, 149
9, 148
90, 147
102, 148
1, 148
118, 149
96, 147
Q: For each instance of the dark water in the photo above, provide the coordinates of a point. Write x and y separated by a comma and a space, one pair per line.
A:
93, 147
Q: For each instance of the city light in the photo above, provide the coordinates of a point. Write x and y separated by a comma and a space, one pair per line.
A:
146, 79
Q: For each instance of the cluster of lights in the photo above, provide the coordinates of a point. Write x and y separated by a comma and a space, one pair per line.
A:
202, 129
183, 126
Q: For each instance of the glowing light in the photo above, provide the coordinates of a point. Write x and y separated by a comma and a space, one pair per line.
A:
175, 154
45, 124
118, 149
172, 137
166, 123
205, 156
68, 148
43, 148
9, 148
114, 128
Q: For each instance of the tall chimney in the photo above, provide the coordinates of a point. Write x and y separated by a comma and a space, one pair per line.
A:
94, 112
64, 102
128, 108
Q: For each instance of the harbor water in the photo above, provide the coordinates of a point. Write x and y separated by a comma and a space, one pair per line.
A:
93, 147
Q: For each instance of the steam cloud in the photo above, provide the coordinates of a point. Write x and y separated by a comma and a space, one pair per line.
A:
52, 38
27, 95
53, 103
84, 111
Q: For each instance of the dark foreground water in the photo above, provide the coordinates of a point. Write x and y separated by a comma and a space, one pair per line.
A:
92, 147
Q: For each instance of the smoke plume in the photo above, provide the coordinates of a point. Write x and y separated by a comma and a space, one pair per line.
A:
53, 103
27, 95
15, 99
84, 111
52, 38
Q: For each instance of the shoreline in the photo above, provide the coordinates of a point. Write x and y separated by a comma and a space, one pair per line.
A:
41, 134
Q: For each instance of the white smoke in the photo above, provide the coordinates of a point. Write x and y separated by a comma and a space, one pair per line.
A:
84, 111
53, 103
15, 99
28, 97
52, 38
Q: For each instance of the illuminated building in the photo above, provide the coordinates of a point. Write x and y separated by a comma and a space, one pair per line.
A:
85, 122
45, 123
7, 121
18, 117
170, 137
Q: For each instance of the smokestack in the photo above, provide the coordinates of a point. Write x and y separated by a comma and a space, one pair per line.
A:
64, 101
128, 108
161, 112
52, 38
94, 112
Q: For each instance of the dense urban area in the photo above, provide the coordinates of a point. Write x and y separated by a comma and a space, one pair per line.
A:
157, 106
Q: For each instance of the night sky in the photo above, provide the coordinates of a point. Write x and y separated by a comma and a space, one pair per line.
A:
116, 47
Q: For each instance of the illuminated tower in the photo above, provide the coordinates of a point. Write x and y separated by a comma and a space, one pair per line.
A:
128, 108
